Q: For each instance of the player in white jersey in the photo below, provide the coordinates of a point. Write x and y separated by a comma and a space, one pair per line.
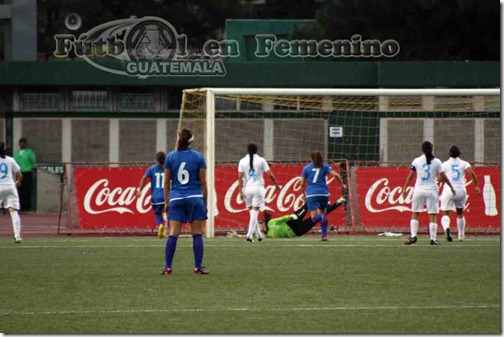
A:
251, 186
10, 178
455, 169
427, 169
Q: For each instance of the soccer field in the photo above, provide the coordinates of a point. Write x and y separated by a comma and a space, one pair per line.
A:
345, 285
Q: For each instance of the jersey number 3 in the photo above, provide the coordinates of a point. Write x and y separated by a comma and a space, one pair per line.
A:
427, 172
183, 174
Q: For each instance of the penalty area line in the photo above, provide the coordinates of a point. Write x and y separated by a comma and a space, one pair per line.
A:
133, 311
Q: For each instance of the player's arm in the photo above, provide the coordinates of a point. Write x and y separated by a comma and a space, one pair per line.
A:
408, 181
338, 177
19, 178
272, 177
240, 185
303, 187
141, 186
474, 180
166, 187
203, 183
444, 178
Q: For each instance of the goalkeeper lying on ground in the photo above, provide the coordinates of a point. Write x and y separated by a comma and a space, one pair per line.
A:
290, 226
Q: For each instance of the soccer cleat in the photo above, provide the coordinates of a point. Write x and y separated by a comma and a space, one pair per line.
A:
411, 240
160, 231
166, 271
17, 239
201, 271
341, 201
250, 240
448, 235
324, 238
260, 239
461, 238
434, 243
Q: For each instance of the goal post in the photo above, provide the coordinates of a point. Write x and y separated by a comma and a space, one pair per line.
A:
367, 127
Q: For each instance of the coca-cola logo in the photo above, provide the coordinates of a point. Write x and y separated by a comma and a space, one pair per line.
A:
289, 198
380, 195
100, 198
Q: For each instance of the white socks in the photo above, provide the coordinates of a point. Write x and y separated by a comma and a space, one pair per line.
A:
16, 223
445, 222
253, 226
461, 227
432, 230
414, 227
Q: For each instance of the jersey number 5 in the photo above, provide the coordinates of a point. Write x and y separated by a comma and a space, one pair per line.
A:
457, 171
427, 172
182, 174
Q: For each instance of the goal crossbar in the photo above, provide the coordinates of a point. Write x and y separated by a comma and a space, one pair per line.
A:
347, 92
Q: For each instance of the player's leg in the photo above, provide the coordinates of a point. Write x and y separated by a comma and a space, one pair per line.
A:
249, 195
196, 216
432, 203
460, 202
461, 224
158, 216
416, 208
447, 205
323, 221
11, 202
258, 202
176, 217
16, 224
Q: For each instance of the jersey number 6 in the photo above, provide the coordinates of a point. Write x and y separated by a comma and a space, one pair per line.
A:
182, 174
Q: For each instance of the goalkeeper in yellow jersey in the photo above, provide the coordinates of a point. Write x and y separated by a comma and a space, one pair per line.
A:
290, 226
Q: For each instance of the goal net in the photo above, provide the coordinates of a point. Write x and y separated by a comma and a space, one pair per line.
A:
369, 135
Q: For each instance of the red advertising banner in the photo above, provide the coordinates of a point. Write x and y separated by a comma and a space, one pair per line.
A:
381, 204
106, 197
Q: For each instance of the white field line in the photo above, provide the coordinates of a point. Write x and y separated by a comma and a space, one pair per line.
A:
13, 246
130, 311
336, 238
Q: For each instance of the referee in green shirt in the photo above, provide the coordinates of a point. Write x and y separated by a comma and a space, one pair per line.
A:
25, 158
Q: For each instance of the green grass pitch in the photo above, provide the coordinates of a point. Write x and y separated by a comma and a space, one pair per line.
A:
345, 285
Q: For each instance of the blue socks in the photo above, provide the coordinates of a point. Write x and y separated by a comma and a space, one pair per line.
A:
323, 225
198, 250
171, 245
317, 217
159, 219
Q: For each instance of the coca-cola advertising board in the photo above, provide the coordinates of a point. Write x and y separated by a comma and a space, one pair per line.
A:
106, 197
381, 204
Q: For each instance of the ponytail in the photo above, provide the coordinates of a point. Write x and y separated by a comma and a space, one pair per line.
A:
185, 138
427, 150
252, 149
2, 150
317, 158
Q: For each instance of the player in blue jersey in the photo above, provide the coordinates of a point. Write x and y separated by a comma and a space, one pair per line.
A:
185, 191
314, 186
156, 175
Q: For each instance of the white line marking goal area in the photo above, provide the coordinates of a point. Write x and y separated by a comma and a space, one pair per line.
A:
364, 308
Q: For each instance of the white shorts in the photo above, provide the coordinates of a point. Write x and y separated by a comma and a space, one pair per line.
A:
429, 198
254, 196
449, 201
9, 197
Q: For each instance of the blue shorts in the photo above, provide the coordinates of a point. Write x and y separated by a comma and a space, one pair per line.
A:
187, 210
158, 209
317, 202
